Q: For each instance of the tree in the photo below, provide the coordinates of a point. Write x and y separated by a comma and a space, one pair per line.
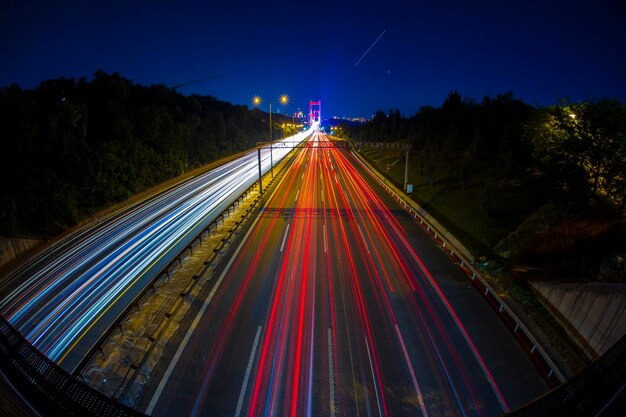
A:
582, 147
485, 202
71, 147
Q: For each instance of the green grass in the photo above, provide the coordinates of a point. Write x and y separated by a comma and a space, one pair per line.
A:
458, 207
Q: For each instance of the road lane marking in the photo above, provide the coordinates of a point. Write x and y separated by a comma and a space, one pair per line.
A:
331, 372
445, 370
324, 237
380, 412
284, 238
297, 194
347, 327
364, 241
194, 324
248, 369
420, 398
459, 325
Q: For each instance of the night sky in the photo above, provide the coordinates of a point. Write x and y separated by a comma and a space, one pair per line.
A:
542, 51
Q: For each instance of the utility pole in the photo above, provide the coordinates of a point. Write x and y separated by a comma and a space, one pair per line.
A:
271, 141
260, 174
406, 169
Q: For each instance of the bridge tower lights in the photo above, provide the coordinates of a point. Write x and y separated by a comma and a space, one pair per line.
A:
315, 111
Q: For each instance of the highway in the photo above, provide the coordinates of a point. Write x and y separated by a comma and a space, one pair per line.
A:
63, 299
334, 302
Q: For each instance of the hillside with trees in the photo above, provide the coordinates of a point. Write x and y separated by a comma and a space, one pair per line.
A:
72, 147
544, 188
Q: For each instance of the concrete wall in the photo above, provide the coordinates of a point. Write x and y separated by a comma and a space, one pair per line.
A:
594, 314
10, 249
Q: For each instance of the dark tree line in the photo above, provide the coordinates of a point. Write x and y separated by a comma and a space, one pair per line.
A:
70, 147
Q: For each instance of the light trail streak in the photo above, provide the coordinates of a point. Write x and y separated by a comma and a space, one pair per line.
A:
247, 376
56, 299
418, 391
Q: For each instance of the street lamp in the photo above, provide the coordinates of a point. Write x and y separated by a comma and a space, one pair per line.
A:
283, 100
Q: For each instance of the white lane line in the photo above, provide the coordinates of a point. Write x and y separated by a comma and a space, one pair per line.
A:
297, 194
284, 238
303, 175
380, 412
331, 373
459, 326
420, 398
445, 370
364, 241
248, 369
324, 232
322, 191
183, 344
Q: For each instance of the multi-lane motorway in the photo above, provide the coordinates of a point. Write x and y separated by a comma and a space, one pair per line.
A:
334, 302
63, 299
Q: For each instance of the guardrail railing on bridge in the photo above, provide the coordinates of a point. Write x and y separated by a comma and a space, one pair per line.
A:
47, 387
587, 393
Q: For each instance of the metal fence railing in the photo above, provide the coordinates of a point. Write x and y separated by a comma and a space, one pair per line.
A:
51, 390
586, 393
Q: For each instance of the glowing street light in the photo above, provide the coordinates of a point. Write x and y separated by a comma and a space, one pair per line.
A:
283, 100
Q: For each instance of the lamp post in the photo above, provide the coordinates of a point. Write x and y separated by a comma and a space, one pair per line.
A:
283, 100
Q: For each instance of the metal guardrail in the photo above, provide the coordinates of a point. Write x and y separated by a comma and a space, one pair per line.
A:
525, 338
586, 393
48, 388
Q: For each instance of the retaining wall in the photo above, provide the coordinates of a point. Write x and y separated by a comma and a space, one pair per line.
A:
10, 249
594, 314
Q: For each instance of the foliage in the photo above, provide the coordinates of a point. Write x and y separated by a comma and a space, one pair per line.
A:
582, 148
71, 147
529, 178
576, 245
473, 135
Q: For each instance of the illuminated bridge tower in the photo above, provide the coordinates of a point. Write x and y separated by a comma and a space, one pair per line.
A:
315, 111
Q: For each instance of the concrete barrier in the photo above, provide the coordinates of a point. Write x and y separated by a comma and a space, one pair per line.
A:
594, 314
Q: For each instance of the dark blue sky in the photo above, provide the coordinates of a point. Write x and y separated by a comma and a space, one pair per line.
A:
542, 51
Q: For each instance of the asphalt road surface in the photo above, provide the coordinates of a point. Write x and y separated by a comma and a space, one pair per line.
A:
336, 303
